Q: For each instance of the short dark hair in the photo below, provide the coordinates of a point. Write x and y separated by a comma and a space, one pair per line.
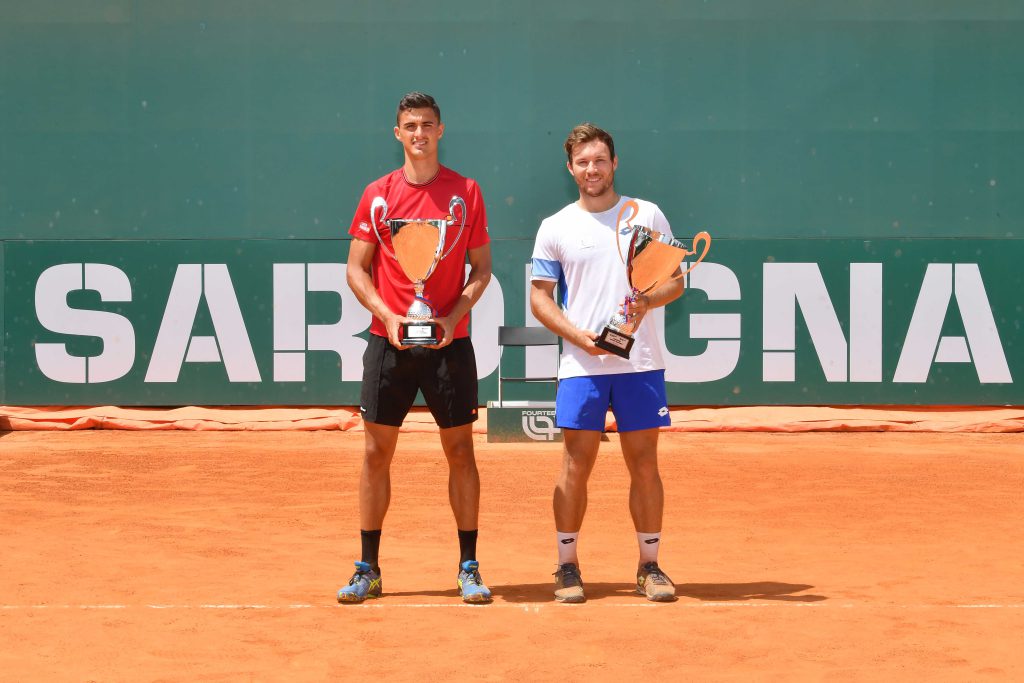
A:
417, 100
587, 132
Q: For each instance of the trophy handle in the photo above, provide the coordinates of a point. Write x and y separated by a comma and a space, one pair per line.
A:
635, 210
459, 202
380, 203
704, 237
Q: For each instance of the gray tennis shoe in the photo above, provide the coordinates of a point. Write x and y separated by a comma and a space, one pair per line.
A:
655, 584
569, 584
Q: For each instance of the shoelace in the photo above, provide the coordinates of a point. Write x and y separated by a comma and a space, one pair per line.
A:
474, 578
657, 576
571, 573
358, 577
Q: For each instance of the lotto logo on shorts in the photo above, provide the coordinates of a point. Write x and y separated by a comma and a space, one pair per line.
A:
663, 411
539, 425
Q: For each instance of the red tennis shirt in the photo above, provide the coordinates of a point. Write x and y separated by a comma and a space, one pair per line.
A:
427, 201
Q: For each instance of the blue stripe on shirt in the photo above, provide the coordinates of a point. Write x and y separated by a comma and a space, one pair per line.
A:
547, 270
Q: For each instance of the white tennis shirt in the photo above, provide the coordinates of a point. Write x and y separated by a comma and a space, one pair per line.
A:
576, 249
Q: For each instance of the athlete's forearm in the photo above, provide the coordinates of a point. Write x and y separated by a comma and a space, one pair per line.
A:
548, 314
665, 293
476, 283
361, 284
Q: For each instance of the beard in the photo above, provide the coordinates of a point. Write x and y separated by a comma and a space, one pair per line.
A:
599, 189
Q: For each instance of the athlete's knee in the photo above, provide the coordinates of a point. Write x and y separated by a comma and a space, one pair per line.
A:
377, 458
577, 469
460, 455
645, 470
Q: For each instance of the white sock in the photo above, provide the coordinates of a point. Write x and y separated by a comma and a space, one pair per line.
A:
649, 544
567, 548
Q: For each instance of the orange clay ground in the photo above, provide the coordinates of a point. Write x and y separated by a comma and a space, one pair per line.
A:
215, 556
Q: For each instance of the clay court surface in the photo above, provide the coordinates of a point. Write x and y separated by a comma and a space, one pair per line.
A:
201, 556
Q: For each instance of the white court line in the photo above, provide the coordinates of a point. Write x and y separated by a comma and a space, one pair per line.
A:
527, 607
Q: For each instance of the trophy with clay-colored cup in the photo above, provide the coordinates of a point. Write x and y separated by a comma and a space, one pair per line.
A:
650, 261
418, 247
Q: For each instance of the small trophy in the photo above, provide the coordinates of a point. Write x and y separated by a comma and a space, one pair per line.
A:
418, 244
650, 261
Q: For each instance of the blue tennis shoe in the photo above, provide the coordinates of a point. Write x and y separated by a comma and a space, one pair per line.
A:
471, 586
365, 583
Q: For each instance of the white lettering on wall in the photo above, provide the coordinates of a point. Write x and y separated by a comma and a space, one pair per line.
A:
293, 337
487, 316
116, 331
175, 343
924, 343
788, 286
540, 361
855, 356
865, 322
722, 330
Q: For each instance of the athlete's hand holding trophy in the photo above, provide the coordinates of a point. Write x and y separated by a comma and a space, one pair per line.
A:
651, 259
418, 247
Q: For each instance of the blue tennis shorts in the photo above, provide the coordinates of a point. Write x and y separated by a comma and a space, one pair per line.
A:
637, 400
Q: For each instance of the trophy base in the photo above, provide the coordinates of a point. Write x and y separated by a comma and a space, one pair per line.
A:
419, 334
613, 341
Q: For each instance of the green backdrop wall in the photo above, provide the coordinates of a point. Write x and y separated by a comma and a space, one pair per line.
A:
147, 136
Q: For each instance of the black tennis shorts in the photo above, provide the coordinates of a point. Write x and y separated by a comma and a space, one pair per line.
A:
391, 378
